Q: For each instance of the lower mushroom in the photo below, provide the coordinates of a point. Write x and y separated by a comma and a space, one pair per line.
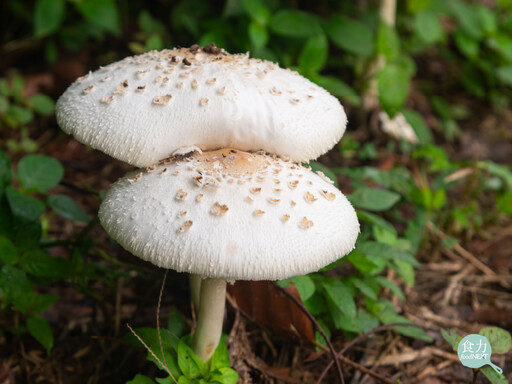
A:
227, 215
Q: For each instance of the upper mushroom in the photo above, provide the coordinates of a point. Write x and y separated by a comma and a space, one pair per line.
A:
144, 108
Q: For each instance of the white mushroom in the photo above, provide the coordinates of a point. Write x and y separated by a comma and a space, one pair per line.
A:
236, 108
223, 237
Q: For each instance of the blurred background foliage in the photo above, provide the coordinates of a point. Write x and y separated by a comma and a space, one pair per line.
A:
442, 66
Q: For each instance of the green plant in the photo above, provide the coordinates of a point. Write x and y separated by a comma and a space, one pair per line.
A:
17, 112
24, 259
177, 360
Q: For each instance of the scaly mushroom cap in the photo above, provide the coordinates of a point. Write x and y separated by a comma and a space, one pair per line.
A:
144, 108
231, 214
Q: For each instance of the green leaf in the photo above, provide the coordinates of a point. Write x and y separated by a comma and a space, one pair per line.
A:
488, 19
17, 115
304, 285
224, 375
66, 207
154, 42
140, 379
502, 43
505, 75
168, 359
339, 89
405, 271
176, 323
150, 338
350, 35
314, 54
493, 376
393, 88
376, 220
13, 283
4, 104
364, 288
22, 206
33, 302
466, 44
8, 251
366, 320
39, 263
451, 337
414, 6
340, 296
39, 172
101, 13
388, 42
40, 329
427, 27
499, 338
359, 260
467, 17
504, 203
258, 34
48, 15
419, 126
375, 249
391, 286
220, 358
42, 104
373, 199
257, 11
294, 23
416, 332
191, 365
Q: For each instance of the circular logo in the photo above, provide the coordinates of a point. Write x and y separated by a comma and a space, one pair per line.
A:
475, 351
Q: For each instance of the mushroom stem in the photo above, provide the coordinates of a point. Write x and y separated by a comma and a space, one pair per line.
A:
210, 315
195, 290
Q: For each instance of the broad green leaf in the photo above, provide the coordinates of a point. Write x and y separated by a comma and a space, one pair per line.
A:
364, 288
366, 321
504, 203
376, 220
168, 359
451, 337
499, 338
373, 199
101, 13
414, 6
150, 338
388, 42
502, 43
391, 286
488, 19
257, 11
339, 89
176, 323
33, 302
42, 104
375, 249
22, 206
427, 27
39, 172
467, 17
27, 235
17, 115
224, 375
340, 296
466, 44
4, 104
13, 283
258, 34
48, 15
154, 42
140, 379
40, 329
220, 357
505, 75
39, 263
314, 54
304, 285
351, 35
8, 251
493, 376
191, 365
405, 271
412, 331
294, 23
65, 206
393, 88
361, 262
419, 126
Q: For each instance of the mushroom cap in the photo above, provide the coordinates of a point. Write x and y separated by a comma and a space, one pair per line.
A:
231, 214
143, 108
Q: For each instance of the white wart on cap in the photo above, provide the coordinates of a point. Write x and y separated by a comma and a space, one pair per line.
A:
232, 215
144, 108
